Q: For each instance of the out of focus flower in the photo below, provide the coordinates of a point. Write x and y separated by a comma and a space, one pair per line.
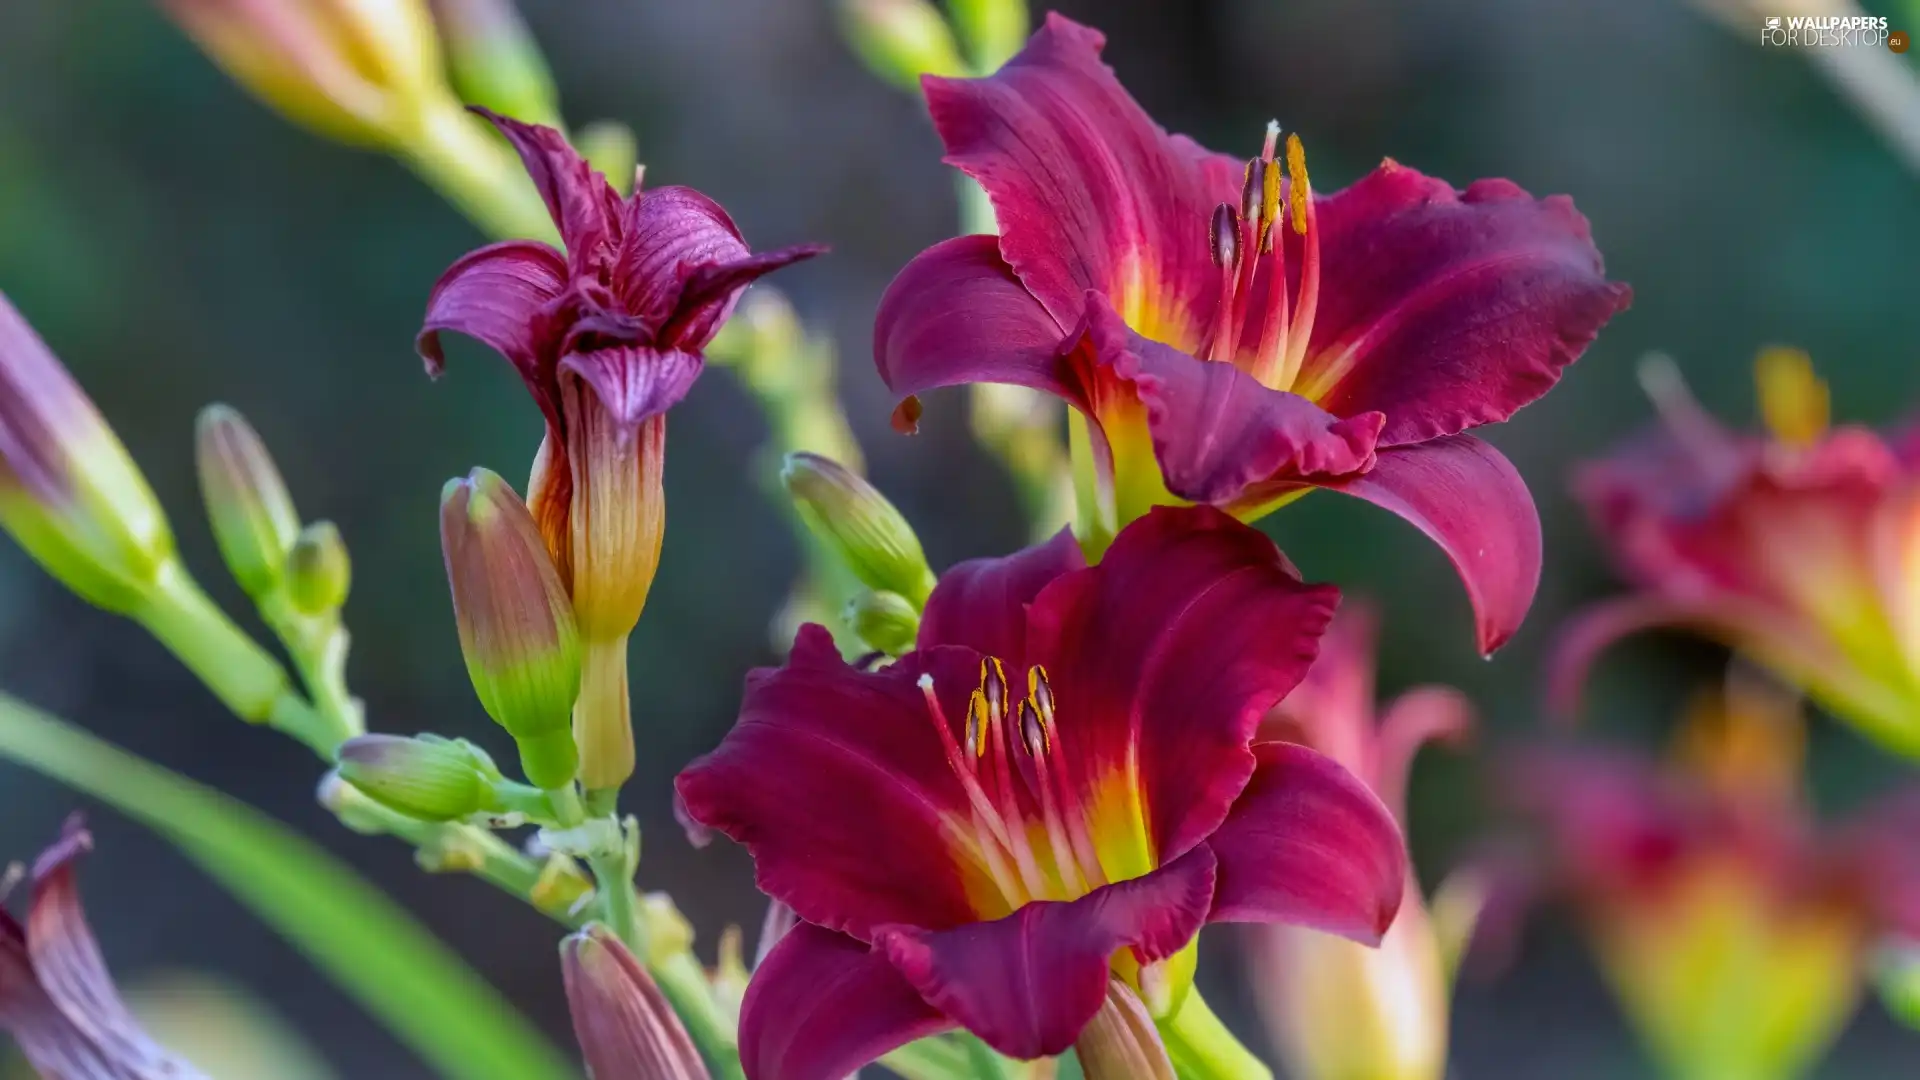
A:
1353, 337
976, 857
1798, 546
516, 622
56, 998
901, 40
1734, 932
1339, 1011
626, 1028
493, 60
356, 70
607, 336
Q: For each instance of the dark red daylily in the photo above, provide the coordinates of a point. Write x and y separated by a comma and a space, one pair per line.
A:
1735, 930
1359, 334
965, 855
1335, 1010
1799, 546
56, 998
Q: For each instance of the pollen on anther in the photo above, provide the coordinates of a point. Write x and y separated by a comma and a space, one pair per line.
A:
977, 725
1300, 190
1033, 735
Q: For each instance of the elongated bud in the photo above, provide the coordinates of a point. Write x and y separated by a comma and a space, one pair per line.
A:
493, 60
1121, 1043
862, 527
319, 573
885, 621
69, 492
516, 623
993, 30
425, 777
247, 503
625, 1026
901, 40
353, 70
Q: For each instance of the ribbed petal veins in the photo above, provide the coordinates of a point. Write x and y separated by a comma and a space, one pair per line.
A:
584, 206
1307, 844
1027, 984
821, 1005
635, 382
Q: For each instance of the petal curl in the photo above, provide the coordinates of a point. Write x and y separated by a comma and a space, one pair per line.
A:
635, 382
712, 291
584, 207
957, 314
1307, 844
837, 783
1446, 309
1219, 435
1089, 192
982, 603
496, 296
1163, 659
671, 234
1468, 499
1421, 715
1028, 983
821, 1005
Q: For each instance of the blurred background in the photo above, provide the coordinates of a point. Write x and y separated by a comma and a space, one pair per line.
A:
177, 244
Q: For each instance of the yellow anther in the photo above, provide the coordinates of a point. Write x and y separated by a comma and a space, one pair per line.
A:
977, 724
1033, 734
1269, 207
1040, 692
1793, 398
1299, 189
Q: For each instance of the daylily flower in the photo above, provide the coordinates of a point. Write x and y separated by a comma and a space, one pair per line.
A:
1799, 547
972, 856
608, 336
56, 998
1353, 337
1734, 931
1339, 1011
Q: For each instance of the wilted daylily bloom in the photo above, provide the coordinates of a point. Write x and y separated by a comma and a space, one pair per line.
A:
1734, 932
1231, 337
1339, 1011
608, 336
1799, 547
56, 998
1059, 786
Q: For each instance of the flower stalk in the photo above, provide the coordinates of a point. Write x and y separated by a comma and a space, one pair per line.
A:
1203, 1049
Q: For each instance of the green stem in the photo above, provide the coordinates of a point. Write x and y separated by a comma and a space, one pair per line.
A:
318, 648
618, 903
1202, 1048
246, 678
454, 153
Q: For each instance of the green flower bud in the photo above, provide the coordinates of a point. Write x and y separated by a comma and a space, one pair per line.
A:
247, 503
516, 622
69, 492
885, 621
993, 30
901, 40
860, 525
318, 570
493, 60
426, 777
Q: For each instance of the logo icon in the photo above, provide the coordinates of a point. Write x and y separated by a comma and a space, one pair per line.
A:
1898, 41
1773, 22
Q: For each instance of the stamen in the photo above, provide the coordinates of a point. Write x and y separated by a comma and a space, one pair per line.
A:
1032, 735
1298, 198
1223, 235
1040, 692
1252, 188
1079, 839
977, 724
1307, 301
984, 814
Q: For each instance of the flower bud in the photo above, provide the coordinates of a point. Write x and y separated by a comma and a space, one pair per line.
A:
625, 1026
516, 624
1120, 1042
901, 40
351, 805
994, 30
69, 493
861, 526
885, 621
493, 60
247, 503
318, 570
353, 70
425, 777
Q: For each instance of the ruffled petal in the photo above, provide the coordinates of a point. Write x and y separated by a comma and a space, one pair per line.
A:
821, 1005
1468, 499
1445, 309
1089, 192
56, 997
836, 781
1219, 435
636, 382
1028, 983
1309, 845
496, 296
672, 233
982, 603
1163, 659
712, 291
584, 206
957, 314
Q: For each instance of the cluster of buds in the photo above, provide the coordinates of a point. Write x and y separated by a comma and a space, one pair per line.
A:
872, 539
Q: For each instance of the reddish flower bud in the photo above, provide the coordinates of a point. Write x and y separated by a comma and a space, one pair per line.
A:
623, 1022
